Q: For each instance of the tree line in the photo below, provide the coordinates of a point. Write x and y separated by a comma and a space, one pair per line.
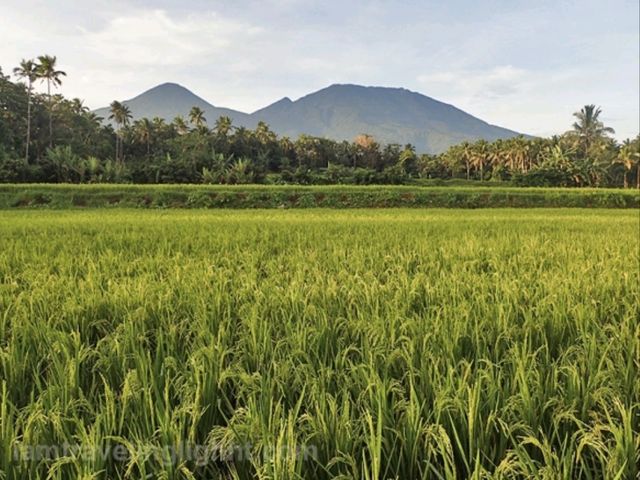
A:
45, 137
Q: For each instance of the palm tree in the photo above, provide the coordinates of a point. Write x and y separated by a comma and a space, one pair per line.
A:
180, 125
121, 115
28, 70
497, 153
627, 157
589, 127
286, 145
158, 124
240, 140
196, 117
223, 126
466, 153
78, 107
144, 131
263, 134
47, 72
479, 156
520, 153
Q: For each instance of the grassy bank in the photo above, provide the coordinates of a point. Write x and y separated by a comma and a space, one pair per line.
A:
260, 196
317, 344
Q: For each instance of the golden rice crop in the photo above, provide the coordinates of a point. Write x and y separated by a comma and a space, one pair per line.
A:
395, 344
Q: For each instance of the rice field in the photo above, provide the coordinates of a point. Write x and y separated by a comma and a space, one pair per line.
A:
320, 344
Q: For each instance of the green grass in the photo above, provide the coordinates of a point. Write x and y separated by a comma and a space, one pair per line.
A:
402, 344
272, 196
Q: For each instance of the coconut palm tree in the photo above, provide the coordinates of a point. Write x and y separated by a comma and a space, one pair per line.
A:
223, 126
497, 153
47, 73
196, 117
466, 154
479, 156
240, 140
78, 107
589, 128
627, 156
28, 70
121, 115
144, 131
180, 125
520, 153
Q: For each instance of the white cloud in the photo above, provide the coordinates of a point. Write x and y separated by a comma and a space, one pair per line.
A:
535, 102
153, 38
496, 82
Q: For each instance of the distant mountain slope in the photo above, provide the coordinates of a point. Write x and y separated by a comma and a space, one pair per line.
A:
340, 112
391, 115
170, 100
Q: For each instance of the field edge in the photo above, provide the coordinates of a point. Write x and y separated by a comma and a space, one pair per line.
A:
64, 196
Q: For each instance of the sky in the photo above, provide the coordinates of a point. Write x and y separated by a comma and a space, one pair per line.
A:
519, 64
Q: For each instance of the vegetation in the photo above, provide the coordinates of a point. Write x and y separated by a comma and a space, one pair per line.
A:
404, 344
289, 196
61, 141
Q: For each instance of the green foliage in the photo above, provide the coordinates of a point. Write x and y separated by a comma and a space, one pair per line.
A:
11, 170
66, 164
331, 196
402, 344
543, 176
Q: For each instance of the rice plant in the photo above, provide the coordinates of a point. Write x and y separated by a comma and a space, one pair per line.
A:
317, 344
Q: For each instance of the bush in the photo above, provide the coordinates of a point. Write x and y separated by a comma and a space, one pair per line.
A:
11, 169
273, 196
543, 177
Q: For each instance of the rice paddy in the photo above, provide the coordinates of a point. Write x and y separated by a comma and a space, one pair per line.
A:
320, 344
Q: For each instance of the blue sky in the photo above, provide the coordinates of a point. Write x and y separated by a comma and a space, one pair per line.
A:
519, 64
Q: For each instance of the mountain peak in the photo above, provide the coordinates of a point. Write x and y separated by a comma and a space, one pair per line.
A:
169, 85
283, 101
168, 88
280, 105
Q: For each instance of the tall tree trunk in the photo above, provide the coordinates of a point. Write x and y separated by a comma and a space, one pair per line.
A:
26, 150
50, 113
626, 181
467, 165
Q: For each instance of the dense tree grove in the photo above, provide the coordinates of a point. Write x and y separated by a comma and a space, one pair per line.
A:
45, 137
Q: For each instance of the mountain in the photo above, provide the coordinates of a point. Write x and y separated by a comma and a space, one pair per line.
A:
339, 112
170, 100
390, 115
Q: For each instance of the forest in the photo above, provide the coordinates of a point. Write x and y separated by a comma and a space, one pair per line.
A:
47, 138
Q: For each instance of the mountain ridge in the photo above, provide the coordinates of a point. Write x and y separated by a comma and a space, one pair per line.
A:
338, 111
